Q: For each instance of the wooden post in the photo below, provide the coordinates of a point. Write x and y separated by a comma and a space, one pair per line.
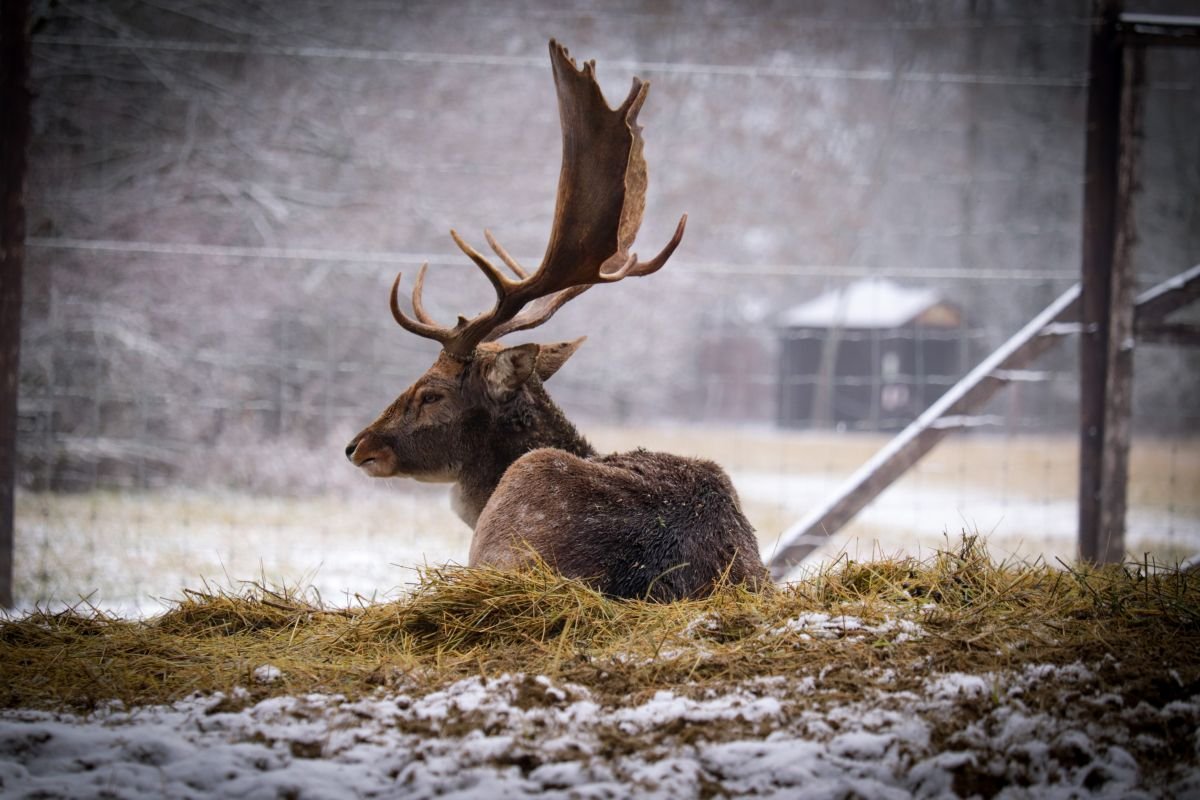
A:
1109, 547
824, 389
14, 137
876, 377
1099, 226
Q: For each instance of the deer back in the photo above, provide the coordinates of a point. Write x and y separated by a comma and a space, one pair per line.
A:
639, 524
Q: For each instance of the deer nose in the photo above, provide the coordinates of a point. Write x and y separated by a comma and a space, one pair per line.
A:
350, 449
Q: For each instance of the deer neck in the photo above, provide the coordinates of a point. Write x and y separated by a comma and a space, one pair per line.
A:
531, 421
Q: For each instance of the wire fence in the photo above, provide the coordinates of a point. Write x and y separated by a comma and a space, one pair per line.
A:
220, 198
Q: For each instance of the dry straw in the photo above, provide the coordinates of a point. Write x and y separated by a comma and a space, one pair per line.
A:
956, 610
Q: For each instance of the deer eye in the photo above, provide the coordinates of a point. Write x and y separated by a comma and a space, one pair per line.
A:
430, 397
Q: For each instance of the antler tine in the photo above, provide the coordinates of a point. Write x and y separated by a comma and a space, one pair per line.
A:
499, 280
422, 328
417, 304
504, 256
656, 263
641, 268
622, 271
538, 312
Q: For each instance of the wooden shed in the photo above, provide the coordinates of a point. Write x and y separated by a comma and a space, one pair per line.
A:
868, 356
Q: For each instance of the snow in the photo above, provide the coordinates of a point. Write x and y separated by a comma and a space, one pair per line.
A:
918, 513
665, 707
815, 625
1022, 375
1065, 329
957, 421
129, 553
957, 685
872, 303
525, 736
267, 673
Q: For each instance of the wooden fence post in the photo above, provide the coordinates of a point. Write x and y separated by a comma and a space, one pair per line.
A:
1098, 246
14, 137
1109, 545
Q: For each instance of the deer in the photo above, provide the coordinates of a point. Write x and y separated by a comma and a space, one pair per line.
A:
640, 524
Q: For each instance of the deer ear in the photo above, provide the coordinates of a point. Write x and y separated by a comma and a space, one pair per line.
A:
552, 356
508, 370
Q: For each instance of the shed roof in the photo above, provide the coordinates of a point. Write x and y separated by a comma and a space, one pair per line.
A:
870, 303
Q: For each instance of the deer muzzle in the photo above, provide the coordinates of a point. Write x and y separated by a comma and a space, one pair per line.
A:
371, 455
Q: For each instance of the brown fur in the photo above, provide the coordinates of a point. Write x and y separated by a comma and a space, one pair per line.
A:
636, 524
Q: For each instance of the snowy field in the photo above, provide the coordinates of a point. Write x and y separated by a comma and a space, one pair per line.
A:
131, 552
522, 736
962, 687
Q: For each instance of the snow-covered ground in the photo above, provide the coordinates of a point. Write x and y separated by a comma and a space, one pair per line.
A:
913, 516
130, 553
524, 736
787, 736
127, 552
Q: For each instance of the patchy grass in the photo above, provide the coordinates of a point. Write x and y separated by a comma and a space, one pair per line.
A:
957, 611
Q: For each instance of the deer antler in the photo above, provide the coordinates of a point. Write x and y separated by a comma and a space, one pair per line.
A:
601, 199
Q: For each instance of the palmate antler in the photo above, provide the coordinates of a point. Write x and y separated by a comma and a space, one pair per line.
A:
601, 199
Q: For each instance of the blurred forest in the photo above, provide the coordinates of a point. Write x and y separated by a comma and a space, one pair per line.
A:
222, 192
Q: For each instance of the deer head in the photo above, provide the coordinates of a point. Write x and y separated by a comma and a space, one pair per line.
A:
446, 417
443, 419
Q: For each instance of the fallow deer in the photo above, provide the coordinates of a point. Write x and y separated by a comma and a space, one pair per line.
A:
637, 524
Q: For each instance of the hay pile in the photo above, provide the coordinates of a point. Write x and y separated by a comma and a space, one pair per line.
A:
956, 611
